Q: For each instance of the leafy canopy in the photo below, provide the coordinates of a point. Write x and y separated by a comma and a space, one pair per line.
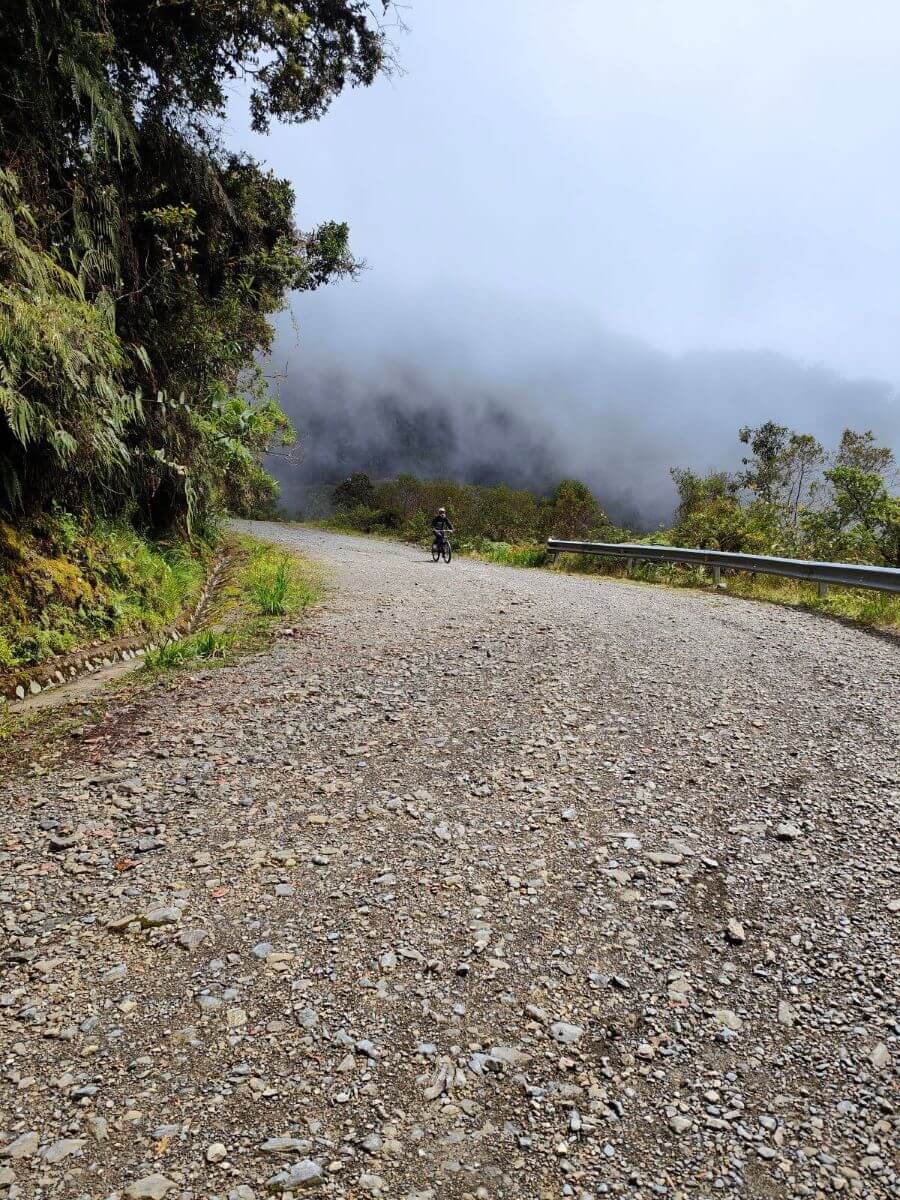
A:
140, 263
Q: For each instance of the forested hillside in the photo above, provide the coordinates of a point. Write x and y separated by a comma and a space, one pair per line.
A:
792, 496
141, 260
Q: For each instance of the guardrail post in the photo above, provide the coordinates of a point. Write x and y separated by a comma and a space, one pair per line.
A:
629, 563
823, 588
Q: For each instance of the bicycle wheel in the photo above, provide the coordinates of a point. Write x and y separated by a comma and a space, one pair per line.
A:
447, 551
435, 551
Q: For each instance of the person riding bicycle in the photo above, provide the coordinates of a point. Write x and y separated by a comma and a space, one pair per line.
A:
440, 525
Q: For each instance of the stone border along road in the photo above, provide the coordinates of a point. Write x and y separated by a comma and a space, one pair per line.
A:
491, 883
20, 685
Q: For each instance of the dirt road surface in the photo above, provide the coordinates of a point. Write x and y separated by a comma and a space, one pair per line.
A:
488, 883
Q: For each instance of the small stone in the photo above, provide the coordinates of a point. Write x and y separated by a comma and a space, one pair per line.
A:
880, 1057
724, 1016
120, 924
679, 1124
190, 939
507, 1056
262, 950
305, 1175
787, 832
283, 1145
59, 843
373, 1184
786, 1014
62, 1149
216, 1153
169, 915
151, 1187
666, 859
99, 1127
734, 932
564, 1033
24, 1146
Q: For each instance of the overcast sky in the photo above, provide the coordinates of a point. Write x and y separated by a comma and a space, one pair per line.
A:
663, 175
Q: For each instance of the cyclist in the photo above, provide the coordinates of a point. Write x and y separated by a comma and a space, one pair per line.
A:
441, 526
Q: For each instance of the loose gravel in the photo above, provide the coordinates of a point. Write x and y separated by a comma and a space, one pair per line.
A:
484, 883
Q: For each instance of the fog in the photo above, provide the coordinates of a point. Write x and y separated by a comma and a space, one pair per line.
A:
599, 238
537, 403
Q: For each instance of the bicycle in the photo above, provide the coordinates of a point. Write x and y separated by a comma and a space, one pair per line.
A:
440, 547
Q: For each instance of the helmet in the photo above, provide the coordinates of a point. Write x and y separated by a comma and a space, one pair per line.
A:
442, 512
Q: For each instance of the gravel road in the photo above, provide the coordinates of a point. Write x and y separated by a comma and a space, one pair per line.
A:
485, 883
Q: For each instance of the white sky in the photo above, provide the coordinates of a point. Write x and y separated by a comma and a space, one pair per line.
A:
694, 173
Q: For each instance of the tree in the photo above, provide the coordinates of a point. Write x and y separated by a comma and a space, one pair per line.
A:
572, 511
801, 459
861, 521
861, 451
765, 469
695, 491
355, 492
783, 468
139, 261
710, 515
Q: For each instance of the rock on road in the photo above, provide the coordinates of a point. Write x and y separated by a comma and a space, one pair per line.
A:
488, 883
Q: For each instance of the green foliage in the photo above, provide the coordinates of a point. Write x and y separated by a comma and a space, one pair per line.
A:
270, 591
354, 493
361, 519
203, 647
276, 584
8, 723
710, 516
860, 450
788, 501
860, 524
64, 583
140, 262
496, 522
572, 512
527, 555
764, 473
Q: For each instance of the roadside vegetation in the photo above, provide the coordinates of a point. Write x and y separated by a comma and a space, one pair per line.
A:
65, 584
792, 498
267, 584
141, 263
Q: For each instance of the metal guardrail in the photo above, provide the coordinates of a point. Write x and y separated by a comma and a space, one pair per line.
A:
882, 579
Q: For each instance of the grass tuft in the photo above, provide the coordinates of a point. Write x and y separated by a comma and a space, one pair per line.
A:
200, 647
277, 584
270, 589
